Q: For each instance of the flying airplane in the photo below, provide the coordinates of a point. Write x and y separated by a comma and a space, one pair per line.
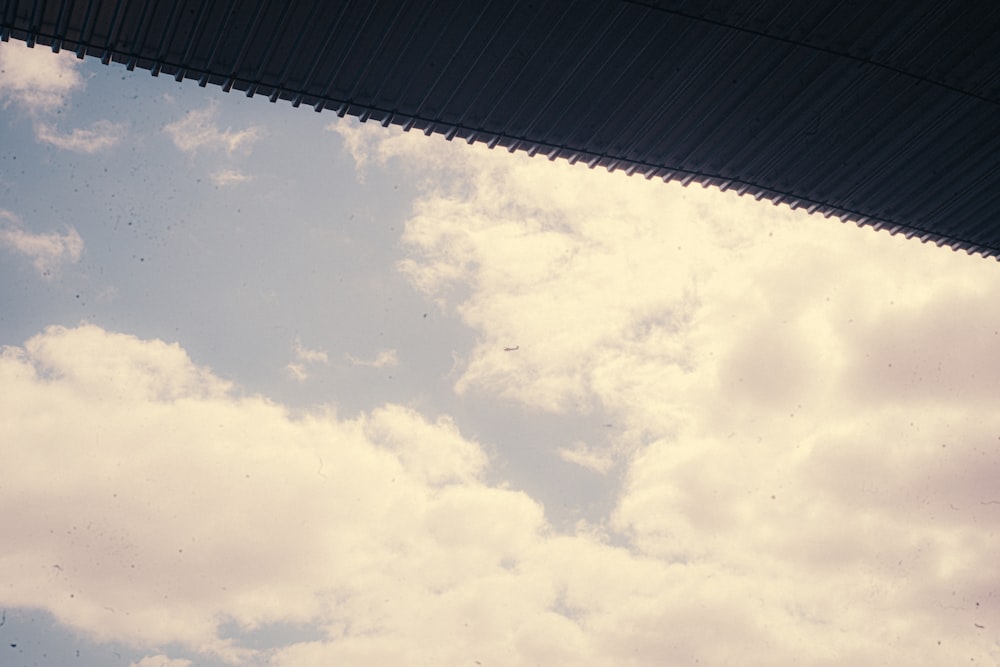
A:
512, 349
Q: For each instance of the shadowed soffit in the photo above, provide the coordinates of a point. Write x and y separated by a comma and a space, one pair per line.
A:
886, 114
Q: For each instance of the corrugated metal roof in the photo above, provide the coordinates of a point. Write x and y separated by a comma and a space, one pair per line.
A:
887, 114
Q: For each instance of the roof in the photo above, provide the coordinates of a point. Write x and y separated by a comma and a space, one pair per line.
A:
886, 114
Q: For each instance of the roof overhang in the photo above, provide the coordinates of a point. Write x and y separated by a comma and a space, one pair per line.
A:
885, 114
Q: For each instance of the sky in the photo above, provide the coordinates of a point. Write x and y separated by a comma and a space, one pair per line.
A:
257, 408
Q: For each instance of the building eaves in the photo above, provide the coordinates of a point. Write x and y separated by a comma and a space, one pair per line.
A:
886, 114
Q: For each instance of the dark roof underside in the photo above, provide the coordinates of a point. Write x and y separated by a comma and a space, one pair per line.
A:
884, 113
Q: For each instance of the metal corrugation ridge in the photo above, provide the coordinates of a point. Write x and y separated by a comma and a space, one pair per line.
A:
514, 108
728, 139
970, 164
667, 132
623, 94
605, 22
901, 148
698, 133
879, 20
785, 124
987, 165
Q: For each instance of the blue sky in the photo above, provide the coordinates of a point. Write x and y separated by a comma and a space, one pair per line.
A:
259, 412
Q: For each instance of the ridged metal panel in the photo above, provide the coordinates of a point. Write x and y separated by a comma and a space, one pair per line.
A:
886, 114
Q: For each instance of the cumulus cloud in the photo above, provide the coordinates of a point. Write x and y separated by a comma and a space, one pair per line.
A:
40, 82
176, 508
600, 460
806, 422
101, 135
37, 79
304, 353
198, 130
47, 251
518, 232
203, 494
304, 357
161, 661
823, 437
224, 177
384, 359
364, 142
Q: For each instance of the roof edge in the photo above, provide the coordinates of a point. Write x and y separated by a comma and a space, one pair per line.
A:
512, 143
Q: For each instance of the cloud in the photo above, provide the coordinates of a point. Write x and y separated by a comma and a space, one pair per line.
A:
202, 492
160, 506
817, 440
224, 177
47, 251
598, 460
303, 358
371, 145
161, 661
363, 142
623, 291
384, 359
198, 130
40, 82
807, 430
37, 79
101, 135
174, 508
297, 371
570, 263
306, 354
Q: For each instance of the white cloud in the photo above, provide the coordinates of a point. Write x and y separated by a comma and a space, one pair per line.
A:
370, 145
99, 136
224, 177
363, 141
305, 357
47, 251
304, 353
161, 661
818, 439
436, 453
600, 460
384, 359
198, 130
297, 371
175, 507
40, 82
201, 506
37, 79
807, 426
569, 263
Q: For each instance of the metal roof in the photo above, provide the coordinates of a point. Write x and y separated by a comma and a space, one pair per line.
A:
886, 113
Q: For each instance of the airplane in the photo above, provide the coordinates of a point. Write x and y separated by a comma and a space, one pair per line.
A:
512, 349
